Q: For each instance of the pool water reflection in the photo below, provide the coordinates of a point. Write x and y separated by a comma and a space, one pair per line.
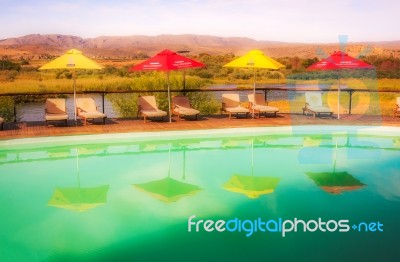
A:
131, 200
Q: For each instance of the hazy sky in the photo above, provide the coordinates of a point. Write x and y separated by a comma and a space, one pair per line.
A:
276, 20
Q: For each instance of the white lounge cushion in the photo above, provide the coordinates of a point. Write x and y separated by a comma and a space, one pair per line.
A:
231, 100
262, 108
90, 115
314, 99
154, 113
87, 109
55, 117
319, 109
237, 109
314, 103
55, 109
86, 104
186, 111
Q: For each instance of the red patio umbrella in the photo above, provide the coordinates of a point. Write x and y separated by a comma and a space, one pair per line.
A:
167, 60
337, 61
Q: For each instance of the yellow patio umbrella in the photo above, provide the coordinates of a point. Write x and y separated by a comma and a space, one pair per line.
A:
72, 59
255, 59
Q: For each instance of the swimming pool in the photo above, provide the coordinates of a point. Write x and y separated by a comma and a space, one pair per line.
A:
133, 196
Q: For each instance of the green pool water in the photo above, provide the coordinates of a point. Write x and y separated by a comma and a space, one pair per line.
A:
130, 199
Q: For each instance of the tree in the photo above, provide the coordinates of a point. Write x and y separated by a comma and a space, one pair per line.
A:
306, 63
8, 65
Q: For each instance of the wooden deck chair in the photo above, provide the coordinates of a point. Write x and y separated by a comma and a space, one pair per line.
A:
56, 110
86, 109
181, 107
148, 108
314, 105
258, 105
231, 105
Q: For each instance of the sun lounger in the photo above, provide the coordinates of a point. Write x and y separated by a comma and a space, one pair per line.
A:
56, 110
86, 109
231, 105
397, 109
1, 123
148, 108
258, 105
314, 105
181, 107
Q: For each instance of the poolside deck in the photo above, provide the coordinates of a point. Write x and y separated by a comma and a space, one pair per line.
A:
34, 129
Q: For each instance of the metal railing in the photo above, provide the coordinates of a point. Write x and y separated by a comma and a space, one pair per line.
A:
266, 89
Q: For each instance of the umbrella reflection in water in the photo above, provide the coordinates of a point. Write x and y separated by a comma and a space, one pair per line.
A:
335, 182
251, 186
77, 198
168, 189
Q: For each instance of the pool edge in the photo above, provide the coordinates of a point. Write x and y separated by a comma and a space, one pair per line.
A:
204, 133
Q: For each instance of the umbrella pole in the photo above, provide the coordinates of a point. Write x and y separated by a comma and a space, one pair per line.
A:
338, 97
184, 163
78, 176
169, 160
252, 156
77, 168
184, 82
254, 92
334, 158
169, 100
74, 77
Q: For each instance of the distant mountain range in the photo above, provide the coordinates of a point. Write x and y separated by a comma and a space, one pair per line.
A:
125, 47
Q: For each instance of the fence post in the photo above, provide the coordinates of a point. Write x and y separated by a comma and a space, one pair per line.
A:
350, 91
265, 95
15, 110
102, 100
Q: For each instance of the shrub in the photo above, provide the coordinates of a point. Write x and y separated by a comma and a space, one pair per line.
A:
7, 108
125, 104
8, 65
24, 62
